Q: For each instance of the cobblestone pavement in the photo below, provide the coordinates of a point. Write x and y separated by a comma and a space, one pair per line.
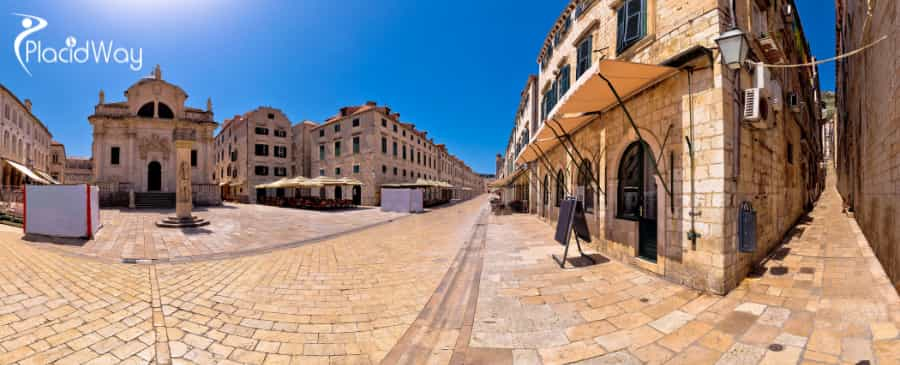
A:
823, 299
450, 286
234, 229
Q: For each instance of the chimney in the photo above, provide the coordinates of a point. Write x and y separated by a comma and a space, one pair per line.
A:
371, 103
28, 105
395, 116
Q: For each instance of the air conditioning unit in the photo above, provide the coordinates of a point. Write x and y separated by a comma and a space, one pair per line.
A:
755, 106
793, 102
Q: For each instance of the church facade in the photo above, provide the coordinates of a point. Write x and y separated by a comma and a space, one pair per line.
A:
133, 147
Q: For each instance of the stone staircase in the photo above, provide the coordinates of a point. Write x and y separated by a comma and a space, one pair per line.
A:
154, 200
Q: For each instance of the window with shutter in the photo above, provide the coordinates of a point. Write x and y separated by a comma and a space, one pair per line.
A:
632, 23
564, 80
584, 55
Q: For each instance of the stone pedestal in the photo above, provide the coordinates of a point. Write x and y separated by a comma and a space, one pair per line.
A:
184, 140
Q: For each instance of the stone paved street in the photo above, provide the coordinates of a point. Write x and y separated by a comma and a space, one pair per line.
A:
823, 299
234, 229
452, 286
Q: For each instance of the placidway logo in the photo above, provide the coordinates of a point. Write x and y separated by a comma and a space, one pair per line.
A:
90, 50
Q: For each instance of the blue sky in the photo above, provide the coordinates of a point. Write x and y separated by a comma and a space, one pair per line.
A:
454, 68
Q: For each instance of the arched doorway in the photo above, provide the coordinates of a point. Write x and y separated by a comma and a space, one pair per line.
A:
338, 193
637, 196
357, 195
545, 201
154, 176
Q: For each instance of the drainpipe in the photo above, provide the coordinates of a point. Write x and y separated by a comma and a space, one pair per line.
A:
692, 234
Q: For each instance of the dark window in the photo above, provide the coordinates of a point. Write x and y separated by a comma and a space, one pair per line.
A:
271, 116
395, 149
114, 156
355, 123
395, 171
338, 193
262, 131
404, 172
322, 190
234, 155
355, 145
790, 153
165, 112
404, 133
337, 171
582, 6
280, 171
404, 152
262, 150
546, 189
321, 132
383, 122
280, 133
321, 172
281, 151
146, 111
383, 169
584, 56
560, 187
321, 152
632, 24
337, 149
355, 169
564, 80
395, 128
384, 145
193, 158
262, 170
337, 127
586, 186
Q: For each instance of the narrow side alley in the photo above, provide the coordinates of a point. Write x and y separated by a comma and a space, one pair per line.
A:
823, 298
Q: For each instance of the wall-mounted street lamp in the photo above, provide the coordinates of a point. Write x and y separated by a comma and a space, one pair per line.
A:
734, 47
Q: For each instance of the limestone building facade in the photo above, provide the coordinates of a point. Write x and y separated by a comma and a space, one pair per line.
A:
57, 164
867, 152
664, 185
252, 149
370, 143
25, 140
133, 148
78, 170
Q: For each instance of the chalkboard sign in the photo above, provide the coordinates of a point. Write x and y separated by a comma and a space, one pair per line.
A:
564, 224
571, 216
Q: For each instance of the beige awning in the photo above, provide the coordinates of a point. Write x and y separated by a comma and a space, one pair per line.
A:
27, 172
325, 180
591, 96
301, 182
47, 177
508, 180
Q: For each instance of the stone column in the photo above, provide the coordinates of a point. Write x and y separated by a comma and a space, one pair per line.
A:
184, 140
183, 202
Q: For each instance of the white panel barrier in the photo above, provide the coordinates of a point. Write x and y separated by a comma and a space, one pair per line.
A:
71, 211
401, 200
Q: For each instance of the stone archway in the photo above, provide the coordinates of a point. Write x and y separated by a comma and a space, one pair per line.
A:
154, 176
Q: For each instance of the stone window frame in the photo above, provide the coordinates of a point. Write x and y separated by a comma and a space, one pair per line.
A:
649, 29
261, 170
115, 155
261, 152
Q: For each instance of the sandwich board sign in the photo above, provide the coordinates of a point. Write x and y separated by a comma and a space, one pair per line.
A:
571, 220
